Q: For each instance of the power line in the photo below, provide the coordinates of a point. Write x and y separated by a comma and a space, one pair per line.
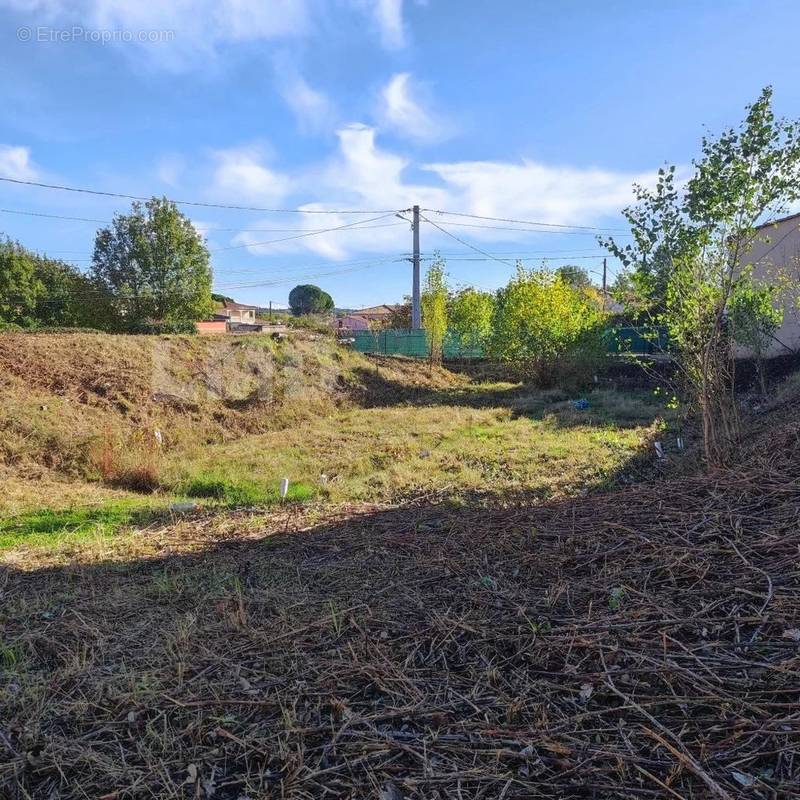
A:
292, 278
197, 203
527, 230
212, 229
467, 244
522, 221
302, 235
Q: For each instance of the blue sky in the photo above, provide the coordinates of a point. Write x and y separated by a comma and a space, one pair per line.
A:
538, 111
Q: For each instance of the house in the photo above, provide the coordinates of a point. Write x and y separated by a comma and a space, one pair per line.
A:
237, 313
351, 322
775, 259
378, 314
232, 317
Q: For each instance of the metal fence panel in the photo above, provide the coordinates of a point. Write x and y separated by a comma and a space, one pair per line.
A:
391, 342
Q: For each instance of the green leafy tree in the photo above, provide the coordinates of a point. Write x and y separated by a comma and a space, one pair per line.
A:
547, 327
577, 277
434, 308
755, 319
470, 317
154, 265
71, 298
691, 247
19, 285
309, 299
36, 291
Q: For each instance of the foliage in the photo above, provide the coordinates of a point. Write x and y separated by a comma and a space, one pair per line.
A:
309, 299
691, 249
754, 319
434, 307
36, 291
577, 277
470, 317
546, 326
400, 318
316, 323
154, 265
155, 328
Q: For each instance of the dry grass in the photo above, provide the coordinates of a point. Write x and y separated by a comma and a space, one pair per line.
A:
634, 644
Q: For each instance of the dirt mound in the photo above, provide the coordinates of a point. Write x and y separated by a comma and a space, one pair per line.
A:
64, 397
642, 643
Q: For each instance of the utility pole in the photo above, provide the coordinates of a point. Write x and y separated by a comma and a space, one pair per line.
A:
604, 283
270, 311
416, 312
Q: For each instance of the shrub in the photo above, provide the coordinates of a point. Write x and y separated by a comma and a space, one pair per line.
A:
552, 331
156, 328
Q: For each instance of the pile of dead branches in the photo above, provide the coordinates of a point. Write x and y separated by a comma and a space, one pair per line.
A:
644, 643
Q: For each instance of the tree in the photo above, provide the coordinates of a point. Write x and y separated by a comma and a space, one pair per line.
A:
434, 308
470, 317
400, 318
40, 291
309, 299
577, 277
154, 265
546, 326
690, 250
19, 286
754, 320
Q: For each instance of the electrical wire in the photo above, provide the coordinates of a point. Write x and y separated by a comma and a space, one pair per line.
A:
520, 221
207, 229
466, 244
197, 203
351, 225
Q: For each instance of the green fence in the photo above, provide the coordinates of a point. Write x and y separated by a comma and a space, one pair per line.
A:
645, 340
408, 343
642, 341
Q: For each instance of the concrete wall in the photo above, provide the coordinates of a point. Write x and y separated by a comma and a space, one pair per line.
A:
775, 257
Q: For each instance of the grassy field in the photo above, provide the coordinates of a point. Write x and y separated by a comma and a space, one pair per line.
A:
79, 416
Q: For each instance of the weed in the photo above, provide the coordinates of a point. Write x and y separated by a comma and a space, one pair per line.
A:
616, 598
335, 619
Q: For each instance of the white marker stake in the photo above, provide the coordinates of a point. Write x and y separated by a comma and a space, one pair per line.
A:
284, 487
680, 443
659, 449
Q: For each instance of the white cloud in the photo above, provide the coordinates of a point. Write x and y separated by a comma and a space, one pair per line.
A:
170, 168
389, 14
535, 191
401, 111
363, 175
15, 162
312, 108
241, 175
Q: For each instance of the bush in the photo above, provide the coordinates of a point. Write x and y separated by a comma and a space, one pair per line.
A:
316, 323
552, 331
154, 328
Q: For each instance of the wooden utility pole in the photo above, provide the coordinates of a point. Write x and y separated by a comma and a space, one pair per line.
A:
604, 283
416, 311
270, 310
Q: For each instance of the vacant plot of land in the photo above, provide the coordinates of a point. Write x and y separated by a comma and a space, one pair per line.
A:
641, 643
96, 443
